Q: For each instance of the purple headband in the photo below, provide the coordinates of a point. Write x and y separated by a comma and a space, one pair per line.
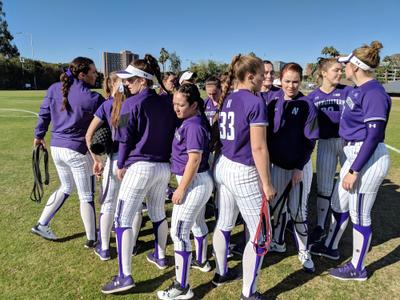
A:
68, 72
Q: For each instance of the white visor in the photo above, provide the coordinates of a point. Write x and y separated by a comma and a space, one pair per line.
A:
185, 76
354, 60
131, 71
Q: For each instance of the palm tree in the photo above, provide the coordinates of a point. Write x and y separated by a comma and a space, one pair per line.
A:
164, 55
330, 52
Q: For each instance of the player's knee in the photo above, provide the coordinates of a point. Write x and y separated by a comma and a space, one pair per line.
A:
156, 213
362, 219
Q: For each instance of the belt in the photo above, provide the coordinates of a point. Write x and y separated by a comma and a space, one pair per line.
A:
349, 143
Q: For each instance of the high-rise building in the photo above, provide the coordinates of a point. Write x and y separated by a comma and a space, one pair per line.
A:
117, 61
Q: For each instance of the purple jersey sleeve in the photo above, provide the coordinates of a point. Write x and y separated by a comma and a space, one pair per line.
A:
44, 117
374, 110
258, 114
196, 139
311, 130
101, 112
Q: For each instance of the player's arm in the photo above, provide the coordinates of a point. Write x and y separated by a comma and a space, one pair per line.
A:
190, 172
258, 142
98, 162
43, 121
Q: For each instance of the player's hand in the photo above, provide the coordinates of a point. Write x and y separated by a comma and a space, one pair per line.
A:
98, 169
297, 176
121, 173
349, 181
39, 142
269, 192
178, 196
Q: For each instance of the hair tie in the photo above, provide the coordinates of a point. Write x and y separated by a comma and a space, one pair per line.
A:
68, 72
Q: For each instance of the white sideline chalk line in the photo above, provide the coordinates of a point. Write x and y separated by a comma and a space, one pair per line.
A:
20, 110
393, 148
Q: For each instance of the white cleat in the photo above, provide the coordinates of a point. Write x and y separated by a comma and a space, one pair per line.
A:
44, 231
306, 261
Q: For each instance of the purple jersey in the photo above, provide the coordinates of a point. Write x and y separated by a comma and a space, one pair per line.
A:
146, 129
272, 94
292, 132
104, 113
368, 102
68, 128
241, 109
191, 136
329, 108
210, 109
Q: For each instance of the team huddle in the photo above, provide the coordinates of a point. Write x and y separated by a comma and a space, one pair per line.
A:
248, 142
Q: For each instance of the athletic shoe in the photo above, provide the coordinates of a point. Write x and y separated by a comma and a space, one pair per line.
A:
317, 235
90, 244
278, 248
348, 272
44, 231
161, 263
229, 276
321, 250
204, 267
175, 291
306, 261
255, 296
118, 284
238, 249
103, 254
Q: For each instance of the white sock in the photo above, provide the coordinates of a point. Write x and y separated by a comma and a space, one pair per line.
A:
55, 202
301, 235
201, 248
251, 267
323, 204
221, 246
89, 219
106, 222
125, 248
361, 240
160, 232
183, 260
338, 226
136, 225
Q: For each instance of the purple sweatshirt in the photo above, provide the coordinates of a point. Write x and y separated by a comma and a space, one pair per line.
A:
146, 129
68, 128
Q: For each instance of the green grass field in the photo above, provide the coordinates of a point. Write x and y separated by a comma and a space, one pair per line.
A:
32, 268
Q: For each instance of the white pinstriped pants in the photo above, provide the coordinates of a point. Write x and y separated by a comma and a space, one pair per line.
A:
110, 199
297, 200
329, 152
362, 198
74, 168
143, 179
238, 189
190, 213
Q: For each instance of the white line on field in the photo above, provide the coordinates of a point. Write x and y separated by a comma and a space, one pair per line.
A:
20, 110
393, 148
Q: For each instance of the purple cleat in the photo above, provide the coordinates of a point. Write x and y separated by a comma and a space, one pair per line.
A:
103, 254
118, 284
161, 263
348, 272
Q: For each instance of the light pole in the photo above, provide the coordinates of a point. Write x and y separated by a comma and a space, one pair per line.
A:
33, 56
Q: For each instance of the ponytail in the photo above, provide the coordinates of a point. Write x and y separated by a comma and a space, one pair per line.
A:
153, 64
78, 65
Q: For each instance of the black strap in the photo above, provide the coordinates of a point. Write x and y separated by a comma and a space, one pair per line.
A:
37, 190
282, 202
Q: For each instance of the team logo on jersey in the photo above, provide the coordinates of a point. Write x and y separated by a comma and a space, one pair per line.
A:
336, 95
350, 102
295, 110
228, 104
372, 125
177, 135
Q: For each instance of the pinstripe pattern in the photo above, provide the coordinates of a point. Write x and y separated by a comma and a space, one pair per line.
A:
190, 213
143, 179
110, 199
369, 180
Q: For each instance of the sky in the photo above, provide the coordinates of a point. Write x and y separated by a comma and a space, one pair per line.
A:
286, 30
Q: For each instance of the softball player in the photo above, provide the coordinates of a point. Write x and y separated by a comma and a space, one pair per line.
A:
213, 90
293, 121
362, 127
109, 112
242, 169
145, 132
170, 81
329, 99
268, 90
190, 164
70, 105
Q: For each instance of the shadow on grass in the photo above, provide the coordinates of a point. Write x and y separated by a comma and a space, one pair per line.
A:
70, 237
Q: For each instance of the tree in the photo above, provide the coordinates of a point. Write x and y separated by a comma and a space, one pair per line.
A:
6, 37
175, 62
205, 69
330, 52
252, 54
164, 55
